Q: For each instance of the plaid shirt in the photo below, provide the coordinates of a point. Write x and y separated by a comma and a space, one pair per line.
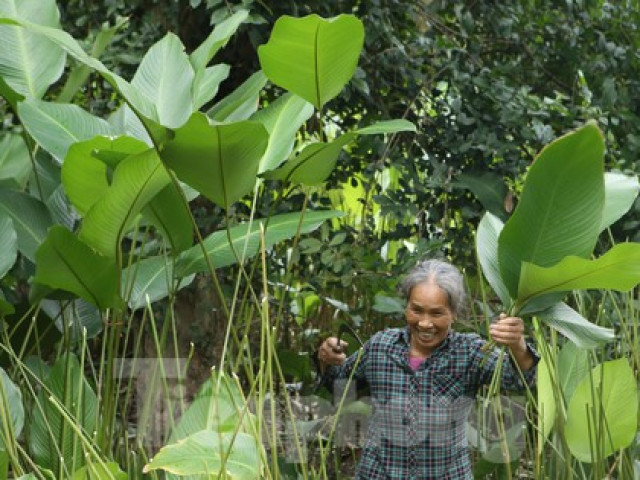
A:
418, 430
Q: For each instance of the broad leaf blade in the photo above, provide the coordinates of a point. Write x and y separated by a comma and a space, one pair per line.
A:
573, 366
206, 83
137, 179
487, 250
560, 212
241, 103
85, 174
220, 161
618, 269
246, 241
165, 77
9, 242
547, 407
311, 56
200, 454
575, 327
30, 218
57, 126
15, 162
602, 416
29, 63
169, 213
620, 191
65, 263
11, 411
282, 119
217, 39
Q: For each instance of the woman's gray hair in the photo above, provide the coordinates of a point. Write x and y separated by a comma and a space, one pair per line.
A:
445, 276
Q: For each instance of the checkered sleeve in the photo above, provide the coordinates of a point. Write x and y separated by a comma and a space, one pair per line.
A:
353, 367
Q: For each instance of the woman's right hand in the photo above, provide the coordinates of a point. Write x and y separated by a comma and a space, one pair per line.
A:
331, 352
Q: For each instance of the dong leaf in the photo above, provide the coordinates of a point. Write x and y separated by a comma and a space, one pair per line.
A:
165, 77
575, 327
220, 161
15, 162
206, 83
30, 218
241, 103
246, 240
170, 214
29, 63
573, 366
602, 416
9, 242
85, 172
487, 250
618, 269
560, 211
282, 119
547, 406
64, 262
136, 180
57, 126
620, 191
208, 452
216, 40
12, 410
311, 56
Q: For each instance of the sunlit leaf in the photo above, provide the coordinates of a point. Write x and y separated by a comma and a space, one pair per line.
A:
547, 408
602, 416
206, 83
217, 39
311, 56
573, 366
620, 191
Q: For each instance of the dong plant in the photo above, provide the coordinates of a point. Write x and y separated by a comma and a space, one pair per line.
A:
98, 210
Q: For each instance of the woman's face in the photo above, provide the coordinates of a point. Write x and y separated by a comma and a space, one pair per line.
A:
429, 317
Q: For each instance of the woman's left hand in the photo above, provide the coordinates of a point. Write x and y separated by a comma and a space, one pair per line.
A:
509, 331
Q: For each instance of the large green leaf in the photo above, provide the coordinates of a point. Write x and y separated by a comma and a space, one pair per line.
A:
620, 191
52, 441
560, 211
487, 236
573, 366
85, 173
216, 40
57, 126
79, 318
125, 122
575, 327
316, 161
15, 162
29, 63
65, 263
136, 180
169, 213
282, 119
152, 279
165, 77
202, 454
241, 103
311, 56
618, 269
9, 242
246, 241
206, 83
603, 416
99, 471
135, 98
12, 410
547, 408
30, 217
220, 161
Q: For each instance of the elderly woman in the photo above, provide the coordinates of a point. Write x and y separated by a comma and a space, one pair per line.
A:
423, 379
